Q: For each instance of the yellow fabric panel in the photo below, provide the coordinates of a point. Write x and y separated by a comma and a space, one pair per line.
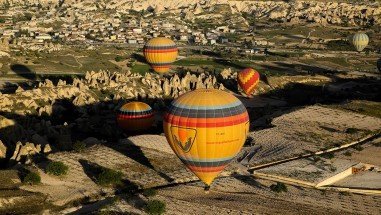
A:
207, 177
160, 41
208, 100
360, 41
135, 106
168, 57
210, 143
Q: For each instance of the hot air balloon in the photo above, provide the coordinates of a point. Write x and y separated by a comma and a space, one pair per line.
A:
135, 116
360, 41
206, 128
160, 53
248, 80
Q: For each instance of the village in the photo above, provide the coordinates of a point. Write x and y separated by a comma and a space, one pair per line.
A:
68, 67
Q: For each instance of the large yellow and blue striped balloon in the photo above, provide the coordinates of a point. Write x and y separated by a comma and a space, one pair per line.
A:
160, 53
360, 41
206, 128
135, 116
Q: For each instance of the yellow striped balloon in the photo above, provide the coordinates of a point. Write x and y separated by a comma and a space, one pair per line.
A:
206, 128
360, 41
135, 116
160, 53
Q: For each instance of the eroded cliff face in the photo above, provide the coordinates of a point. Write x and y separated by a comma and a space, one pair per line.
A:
333, 12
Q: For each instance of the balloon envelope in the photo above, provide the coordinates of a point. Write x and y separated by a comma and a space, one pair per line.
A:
248, 80
206, 128
360, 41
160, 53
135, 116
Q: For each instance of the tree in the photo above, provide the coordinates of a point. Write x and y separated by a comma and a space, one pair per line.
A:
32, 178
155, 207
109, 177
118, 58
57, 168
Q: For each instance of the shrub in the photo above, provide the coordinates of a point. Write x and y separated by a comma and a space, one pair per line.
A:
32, 178
332, 168
109, 177
278, 187
328, 155
351, 130
79, 146
347, 153
155, 207
149, 192
118, 58
358, 147
339, 45
57, 168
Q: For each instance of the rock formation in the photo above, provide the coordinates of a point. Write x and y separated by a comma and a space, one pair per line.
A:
3, 150
331, 12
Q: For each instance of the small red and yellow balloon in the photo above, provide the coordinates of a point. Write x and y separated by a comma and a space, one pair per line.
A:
135, 116
248, 80
160, 53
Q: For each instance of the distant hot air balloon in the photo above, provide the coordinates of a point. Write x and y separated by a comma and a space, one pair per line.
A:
248, 80
160, 53
360, 41
135, 116
206, 128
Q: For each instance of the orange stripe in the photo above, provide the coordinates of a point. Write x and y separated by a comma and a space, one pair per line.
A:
121, 116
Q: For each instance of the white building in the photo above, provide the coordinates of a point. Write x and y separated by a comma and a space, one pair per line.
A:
43, 37
132, 41
137, 30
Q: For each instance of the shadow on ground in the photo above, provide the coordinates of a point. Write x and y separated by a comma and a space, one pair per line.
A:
23, 71
68, 123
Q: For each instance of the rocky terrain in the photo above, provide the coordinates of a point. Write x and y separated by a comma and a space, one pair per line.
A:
97, 95
54, 115
314, 95
322, 12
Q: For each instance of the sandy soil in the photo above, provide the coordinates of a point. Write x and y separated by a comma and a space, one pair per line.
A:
245, 195
309, 129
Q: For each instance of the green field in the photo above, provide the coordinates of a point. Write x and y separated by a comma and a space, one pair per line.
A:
361, 106
69, 61
209, 64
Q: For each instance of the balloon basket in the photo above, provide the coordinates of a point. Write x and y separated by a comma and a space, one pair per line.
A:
206, 189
